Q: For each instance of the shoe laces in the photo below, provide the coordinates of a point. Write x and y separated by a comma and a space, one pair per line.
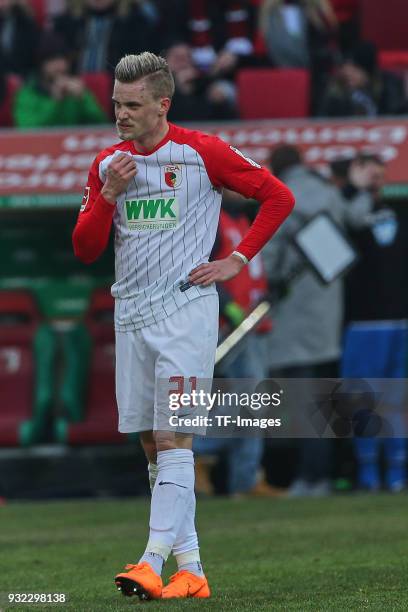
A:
176, 575
131, 566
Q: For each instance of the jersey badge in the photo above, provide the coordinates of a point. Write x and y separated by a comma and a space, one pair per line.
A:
173, 175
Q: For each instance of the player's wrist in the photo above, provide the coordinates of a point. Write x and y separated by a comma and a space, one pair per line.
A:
109, 196
240, 257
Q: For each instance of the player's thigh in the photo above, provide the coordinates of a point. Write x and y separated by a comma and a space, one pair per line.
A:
135, 382
187, 345
186, 354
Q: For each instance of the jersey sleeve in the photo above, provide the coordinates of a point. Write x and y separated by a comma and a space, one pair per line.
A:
227, 167
91, 232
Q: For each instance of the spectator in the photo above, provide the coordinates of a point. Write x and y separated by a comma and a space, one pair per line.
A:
376, 306
197, 97
306, 338
220, 34
296, 33
18, 36
101, 31
361, 88
299, 34
52, 96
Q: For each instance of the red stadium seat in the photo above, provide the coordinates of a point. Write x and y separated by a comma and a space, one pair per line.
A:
100, 425
273, 93
397, 62
39, 9
384, 22
393, 60
6, 107
100, 84
19, 320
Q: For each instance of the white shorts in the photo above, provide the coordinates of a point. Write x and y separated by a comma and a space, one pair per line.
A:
182, 345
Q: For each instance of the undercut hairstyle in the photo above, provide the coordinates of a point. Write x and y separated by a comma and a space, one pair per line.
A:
147, 65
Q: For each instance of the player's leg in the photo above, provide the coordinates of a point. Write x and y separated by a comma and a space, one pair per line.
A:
188, 350
135, 398
185, 344
172, 518
185, 549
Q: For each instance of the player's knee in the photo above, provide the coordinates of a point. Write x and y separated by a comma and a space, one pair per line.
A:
150, 452
165, 440
149, 446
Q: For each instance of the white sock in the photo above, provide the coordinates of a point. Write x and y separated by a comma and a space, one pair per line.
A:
190, 561
185, 549
153, 471
171, 499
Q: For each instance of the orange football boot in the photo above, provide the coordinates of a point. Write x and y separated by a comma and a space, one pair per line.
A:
140, 580
186, 584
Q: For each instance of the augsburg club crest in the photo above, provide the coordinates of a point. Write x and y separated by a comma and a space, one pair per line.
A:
173, 175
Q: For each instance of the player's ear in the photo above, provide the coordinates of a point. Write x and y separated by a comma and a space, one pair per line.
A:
164, 106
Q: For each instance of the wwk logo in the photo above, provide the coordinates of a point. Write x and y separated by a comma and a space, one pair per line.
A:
152, 214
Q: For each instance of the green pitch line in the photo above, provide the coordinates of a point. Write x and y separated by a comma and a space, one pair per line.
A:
342, 553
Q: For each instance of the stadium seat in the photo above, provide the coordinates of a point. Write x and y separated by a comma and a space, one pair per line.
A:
397, 62
39, 9
13, 83
273, 93
100, 422
385, 24
26, 358
100, 84
393, 60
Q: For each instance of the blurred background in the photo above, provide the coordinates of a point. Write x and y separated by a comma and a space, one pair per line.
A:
317, 90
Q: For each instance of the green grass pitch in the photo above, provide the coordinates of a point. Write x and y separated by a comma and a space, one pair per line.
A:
341, 553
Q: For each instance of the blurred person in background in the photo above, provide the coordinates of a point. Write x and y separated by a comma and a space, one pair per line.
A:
219, 38
292, 29
238, 297
306, 338
100, 32
300, 34
220, 34
360, 88
18, 36
53, 96
376, 338
197, 97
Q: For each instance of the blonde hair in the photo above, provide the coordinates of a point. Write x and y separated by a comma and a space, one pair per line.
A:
155, 68
77, 7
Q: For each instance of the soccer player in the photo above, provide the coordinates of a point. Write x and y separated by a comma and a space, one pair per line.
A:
161, 187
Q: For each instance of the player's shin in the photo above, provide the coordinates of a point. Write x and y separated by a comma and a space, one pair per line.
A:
173, 488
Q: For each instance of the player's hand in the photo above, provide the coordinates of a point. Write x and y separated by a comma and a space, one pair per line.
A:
120, 172
216, 271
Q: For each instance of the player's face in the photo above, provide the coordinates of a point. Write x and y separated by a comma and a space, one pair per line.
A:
137, 112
